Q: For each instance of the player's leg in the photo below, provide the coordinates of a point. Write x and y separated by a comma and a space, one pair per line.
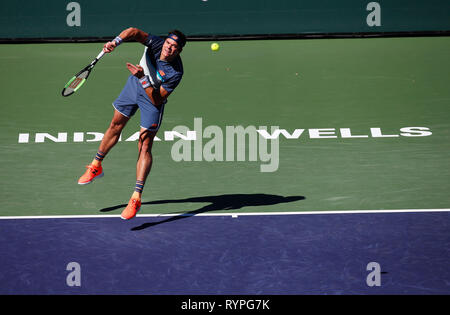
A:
145, 160
143, 167
110, 138
151, 118
125, 107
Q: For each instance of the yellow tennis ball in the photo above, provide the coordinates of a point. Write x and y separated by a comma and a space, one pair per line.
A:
215, 47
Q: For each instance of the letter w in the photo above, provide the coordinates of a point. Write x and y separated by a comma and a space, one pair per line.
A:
295, 135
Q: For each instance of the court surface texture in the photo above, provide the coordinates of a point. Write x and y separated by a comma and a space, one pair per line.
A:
356, 199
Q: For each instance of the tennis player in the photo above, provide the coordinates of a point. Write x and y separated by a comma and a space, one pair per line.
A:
147, 89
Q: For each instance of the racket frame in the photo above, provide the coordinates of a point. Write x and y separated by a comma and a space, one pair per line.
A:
83, 80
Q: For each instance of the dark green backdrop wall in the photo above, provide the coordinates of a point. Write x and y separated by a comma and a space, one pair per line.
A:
103, 18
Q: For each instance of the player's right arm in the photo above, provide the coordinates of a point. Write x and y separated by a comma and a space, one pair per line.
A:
130, 33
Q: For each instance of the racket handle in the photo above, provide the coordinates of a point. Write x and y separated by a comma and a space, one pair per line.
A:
100, 55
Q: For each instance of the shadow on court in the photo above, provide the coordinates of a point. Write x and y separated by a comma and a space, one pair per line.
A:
220, 202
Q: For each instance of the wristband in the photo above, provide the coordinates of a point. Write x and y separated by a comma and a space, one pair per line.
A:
118, 40
145, 82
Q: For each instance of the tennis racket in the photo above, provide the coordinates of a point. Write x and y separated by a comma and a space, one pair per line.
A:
78, 80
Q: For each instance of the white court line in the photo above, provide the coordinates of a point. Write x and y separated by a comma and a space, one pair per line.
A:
232, 214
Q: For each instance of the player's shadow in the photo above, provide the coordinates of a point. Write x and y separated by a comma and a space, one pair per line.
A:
220, 202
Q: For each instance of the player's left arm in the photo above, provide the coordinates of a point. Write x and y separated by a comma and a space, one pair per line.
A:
157, 96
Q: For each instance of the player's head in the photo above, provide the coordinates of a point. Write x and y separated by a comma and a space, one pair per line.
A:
173, 45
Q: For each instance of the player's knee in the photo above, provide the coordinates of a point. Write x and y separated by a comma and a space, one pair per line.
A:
145, 145
145, 142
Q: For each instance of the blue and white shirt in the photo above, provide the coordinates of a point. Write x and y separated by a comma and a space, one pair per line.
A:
161, 73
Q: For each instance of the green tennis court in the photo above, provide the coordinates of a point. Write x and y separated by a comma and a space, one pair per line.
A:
335, 90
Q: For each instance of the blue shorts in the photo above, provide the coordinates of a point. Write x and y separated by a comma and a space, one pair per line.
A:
131, 98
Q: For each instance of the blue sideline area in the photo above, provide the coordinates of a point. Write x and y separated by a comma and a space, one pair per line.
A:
209, 255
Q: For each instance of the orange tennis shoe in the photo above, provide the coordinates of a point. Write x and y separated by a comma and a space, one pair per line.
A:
134, 205
91, 173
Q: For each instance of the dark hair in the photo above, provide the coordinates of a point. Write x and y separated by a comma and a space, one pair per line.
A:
181, 37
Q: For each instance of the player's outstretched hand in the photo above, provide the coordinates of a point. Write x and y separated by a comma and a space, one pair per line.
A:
135, 70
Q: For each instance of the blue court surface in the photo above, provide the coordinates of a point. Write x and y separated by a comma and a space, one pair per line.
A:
259, 254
